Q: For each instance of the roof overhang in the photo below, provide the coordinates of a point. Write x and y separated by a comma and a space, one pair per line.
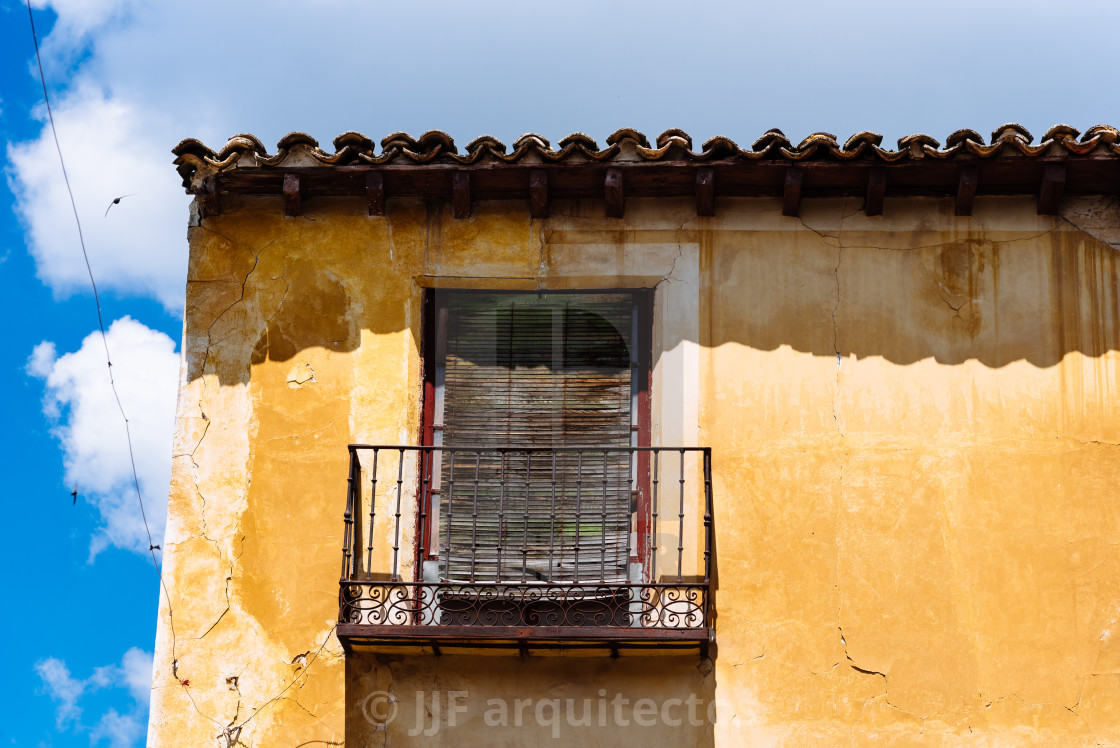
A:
431, 168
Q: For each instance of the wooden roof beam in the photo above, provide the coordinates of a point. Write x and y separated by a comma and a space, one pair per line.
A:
538, 193
1051, 189
292, 205
967, 182
705, 192
612, 192
876, 191
791, 196
208, 203
461, 194
375, 193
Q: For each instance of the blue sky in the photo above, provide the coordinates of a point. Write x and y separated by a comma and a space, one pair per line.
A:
130, 79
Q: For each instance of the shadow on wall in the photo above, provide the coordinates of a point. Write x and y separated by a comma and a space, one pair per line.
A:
995, 302
497, 701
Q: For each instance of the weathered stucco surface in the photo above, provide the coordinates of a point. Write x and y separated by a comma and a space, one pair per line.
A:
914, 419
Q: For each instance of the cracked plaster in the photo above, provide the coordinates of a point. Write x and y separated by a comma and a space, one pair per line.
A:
914, 424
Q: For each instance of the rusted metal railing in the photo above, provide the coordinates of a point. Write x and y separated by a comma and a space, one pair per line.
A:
584, 542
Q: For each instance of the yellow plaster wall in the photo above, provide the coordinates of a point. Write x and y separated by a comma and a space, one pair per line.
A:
914, 422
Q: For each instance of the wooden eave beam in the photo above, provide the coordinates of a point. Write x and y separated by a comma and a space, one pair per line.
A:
461, 194
967, 183
1051, 190
538, 193
612, 193
291, 195
538, 184
705, 192
876, 191
791, 195
375, 193
208, 203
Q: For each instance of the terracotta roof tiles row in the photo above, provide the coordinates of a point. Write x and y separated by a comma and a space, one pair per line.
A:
437, 147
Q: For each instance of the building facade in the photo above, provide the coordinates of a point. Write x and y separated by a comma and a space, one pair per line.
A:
647, 443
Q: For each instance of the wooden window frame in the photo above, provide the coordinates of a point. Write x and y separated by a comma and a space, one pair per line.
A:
434, 320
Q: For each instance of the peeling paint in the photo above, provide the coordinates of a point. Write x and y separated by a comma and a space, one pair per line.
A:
914, 422
300, 375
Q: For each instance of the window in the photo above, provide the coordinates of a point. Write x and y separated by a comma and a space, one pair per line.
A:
536, 399
543, 515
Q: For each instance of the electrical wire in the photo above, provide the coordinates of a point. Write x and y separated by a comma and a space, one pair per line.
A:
101, 327
232, 732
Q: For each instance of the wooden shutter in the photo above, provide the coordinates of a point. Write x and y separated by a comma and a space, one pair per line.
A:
535, 371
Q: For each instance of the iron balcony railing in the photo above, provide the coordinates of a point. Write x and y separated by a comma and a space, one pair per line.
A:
555, 546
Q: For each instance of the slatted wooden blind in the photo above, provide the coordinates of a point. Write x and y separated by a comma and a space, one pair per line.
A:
540, 371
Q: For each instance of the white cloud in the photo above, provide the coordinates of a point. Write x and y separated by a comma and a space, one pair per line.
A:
139, 247
136, 672
141, 76
120, 730
42, 360
77, 19
89, 426
63, 689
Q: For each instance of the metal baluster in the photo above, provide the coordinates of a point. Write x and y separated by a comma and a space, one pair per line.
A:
372, 509
653, 529
603, 522
627, 494
680, 529
501, 517
348, 518
450, 495
525, 529
426, 459
474, 515
707, 515
579, 508
552, 520
397, 522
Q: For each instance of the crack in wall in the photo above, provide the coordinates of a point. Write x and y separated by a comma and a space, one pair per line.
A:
220, 615
197, 444
829, 238
956, 309
203, 394
230, 733
295, 700
302, 435
229, 604
873, 699
203, 529
241, 297
280, 696
1036, 705
670, 277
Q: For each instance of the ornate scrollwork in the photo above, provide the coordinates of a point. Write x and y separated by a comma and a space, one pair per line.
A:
451, 605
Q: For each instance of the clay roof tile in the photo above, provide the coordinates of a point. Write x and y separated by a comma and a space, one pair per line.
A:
1012, 131
293, 139
627, 133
